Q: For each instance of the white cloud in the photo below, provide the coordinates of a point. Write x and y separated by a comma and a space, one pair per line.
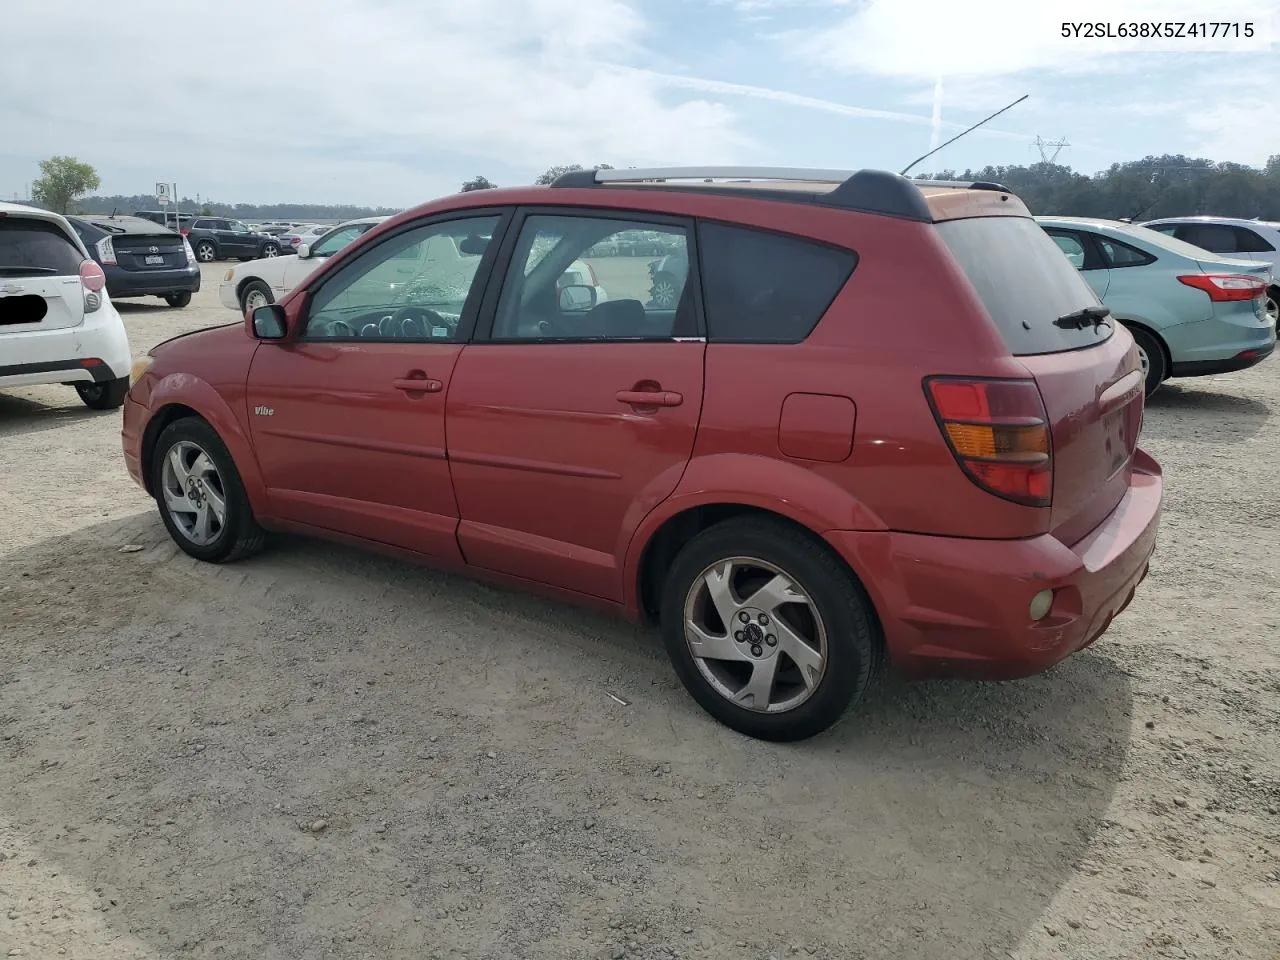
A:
989, 38
751, 91
292, 90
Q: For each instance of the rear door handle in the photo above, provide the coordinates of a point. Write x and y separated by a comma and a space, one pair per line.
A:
650, 398
417, 385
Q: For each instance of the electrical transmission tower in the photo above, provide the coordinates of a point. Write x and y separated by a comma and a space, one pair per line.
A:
1049, 149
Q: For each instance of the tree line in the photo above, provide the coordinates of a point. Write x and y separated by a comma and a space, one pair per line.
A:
1164, 186
1171, 185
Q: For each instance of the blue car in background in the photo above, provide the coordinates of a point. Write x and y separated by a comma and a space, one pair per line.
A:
1192, 313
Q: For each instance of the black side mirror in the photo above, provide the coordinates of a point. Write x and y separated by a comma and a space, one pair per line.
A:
269, 322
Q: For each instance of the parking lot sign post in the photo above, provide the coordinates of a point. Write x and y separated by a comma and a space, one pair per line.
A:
166, 192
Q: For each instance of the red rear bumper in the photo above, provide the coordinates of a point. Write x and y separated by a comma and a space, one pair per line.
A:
953, 607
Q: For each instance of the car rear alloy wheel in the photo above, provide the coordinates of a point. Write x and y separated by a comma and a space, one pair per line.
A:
767, 629
755, 635
206, 252
1154, 367
1272, 306
270, 250
201, 498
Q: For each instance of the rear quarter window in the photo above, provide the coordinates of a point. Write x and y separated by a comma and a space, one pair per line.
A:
762, 287
36, 248
1025, 282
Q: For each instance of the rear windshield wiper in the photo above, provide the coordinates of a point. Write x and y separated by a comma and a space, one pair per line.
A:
20, 271
1088, 317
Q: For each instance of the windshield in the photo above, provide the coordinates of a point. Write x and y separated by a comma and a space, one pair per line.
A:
331, 243
1025, 283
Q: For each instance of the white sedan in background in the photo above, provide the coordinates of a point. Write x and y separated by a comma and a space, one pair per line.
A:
250, 285
254, 284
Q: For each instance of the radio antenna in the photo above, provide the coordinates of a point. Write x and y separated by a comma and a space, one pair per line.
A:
962, 133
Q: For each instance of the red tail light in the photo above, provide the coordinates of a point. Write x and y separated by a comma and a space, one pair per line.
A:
185, 232
998, 431
1222, 287
92, 277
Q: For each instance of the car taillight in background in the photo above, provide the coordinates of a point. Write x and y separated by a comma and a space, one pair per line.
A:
191, 254
106, 251
998, 431
1223, 287
93, 280
185, 232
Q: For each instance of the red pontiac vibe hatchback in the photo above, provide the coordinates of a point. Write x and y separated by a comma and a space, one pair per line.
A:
809, 421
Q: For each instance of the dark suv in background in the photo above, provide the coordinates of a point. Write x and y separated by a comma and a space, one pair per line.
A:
218, 238
140, 257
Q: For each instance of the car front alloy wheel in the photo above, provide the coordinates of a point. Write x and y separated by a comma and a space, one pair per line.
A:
201, 498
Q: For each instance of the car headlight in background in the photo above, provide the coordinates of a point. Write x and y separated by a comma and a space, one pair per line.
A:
140, 365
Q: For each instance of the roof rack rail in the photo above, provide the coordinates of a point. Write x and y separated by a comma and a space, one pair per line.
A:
866, 191
964, 184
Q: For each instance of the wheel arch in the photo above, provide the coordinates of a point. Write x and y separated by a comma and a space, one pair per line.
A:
181, 396
813, 505
1152, 332
250, 278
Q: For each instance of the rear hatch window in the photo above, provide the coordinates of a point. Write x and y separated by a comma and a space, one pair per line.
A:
1025, 282
40, 286
149, 251
36, 248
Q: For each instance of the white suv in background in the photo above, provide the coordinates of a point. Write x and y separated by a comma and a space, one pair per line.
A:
57, 324
1233, 238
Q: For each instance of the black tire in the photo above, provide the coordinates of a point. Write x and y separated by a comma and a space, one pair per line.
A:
178, 299
1156, 359
854, 645
108, 395
239, 535
1273, 305
206, 251
254, 286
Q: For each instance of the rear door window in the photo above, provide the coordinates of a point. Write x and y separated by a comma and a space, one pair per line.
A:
1025, 282
36, 248
1209, 236
1247, 241
762, 287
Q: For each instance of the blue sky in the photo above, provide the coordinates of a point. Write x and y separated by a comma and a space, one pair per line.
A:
395, 101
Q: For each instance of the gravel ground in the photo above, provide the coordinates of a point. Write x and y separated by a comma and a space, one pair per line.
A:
324, 754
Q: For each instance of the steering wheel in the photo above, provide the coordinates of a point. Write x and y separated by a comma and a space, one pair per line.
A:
407, 318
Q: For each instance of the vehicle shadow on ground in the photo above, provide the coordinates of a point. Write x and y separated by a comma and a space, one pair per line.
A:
1201, 399
141, 306
19, 415
491, 773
